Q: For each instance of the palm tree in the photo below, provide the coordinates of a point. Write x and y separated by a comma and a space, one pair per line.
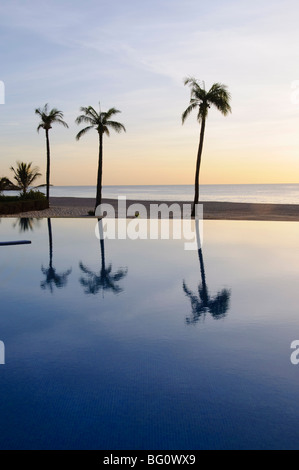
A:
202, 303
47, 119
217, 96
52, 277
101, 122
25, 174
105, 280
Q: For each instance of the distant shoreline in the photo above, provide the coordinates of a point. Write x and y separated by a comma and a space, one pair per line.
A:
65, 207
249, 193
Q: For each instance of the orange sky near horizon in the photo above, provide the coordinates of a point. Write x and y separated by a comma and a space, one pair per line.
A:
221, 164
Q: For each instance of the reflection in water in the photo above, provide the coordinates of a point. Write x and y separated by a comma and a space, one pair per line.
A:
25, 224
52, 277
104, 280
203, 303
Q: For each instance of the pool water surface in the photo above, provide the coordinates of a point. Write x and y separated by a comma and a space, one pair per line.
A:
140, 344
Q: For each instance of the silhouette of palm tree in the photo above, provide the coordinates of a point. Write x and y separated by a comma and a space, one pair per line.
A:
202, 303
104, 280
101, 122
217, 96
52, 277
48, 118
25, 174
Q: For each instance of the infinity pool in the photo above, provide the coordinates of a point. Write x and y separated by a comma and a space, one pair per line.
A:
139, 344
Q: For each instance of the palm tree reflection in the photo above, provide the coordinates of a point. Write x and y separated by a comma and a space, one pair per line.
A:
52, 277
26, 223
202, 303
105, 279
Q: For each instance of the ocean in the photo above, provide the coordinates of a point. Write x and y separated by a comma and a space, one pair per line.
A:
255, 193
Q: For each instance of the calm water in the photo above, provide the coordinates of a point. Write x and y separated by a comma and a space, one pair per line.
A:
256, 193
143, 345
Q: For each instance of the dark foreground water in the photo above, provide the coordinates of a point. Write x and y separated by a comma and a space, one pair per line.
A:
143, 345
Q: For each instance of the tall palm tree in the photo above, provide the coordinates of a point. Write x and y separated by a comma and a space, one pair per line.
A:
201, 99
52, 277
47, 119
25, 174
101, 122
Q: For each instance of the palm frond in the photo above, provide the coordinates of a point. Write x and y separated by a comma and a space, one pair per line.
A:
116, 126
60, 121
111, 112
85, 269
120, 274
220, 98
38, 111
84, 118
188, 110
43, 110
49, 117
93, 113
55, 112
195, 85
191, 81
89, 112
83, 132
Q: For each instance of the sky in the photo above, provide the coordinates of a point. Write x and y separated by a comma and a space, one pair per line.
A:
134, 55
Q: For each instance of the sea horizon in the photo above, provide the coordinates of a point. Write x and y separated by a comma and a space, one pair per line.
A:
269, 193
272, 193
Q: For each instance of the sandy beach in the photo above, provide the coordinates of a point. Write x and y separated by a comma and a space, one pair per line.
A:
79, 207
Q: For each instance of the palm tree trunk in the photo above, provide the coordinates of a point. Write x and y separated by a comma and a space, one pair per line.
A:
198, 161
50, 243
100, 224
103, 267
201, 264
48, 165
100, 172
203, 277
